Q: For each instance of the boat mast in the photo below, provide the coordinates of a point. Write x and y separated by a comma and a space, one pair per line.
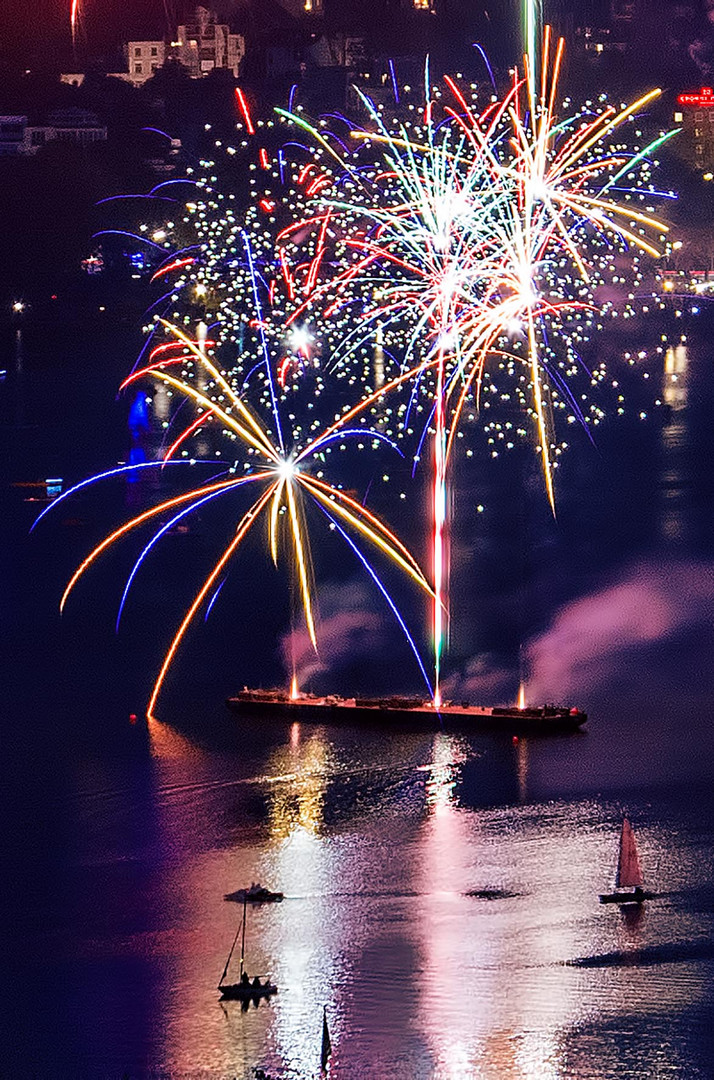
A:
230, 954
242, 944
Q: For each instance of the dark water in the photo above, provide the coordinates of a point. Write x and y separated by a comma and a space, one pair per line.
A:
441, 891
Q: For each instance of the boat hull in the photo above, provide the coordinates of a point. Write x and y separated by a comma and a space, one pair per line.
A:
636, 897
263, 897
391, 712
241, 992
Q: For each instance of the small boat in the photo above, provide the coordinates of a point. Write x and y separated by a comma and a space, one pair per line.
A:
246, 989
256, 894
629, 873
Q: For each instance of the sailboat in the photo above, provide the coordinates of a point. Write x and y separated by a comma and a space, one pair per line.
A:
246, 988
629, 873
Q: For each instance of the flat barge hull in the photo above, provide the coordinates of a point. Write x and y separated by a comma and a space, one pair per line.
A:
541, 721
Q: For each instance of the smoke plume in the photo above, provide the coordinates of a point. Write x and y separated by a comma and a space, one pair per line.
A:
348, 630
607, 638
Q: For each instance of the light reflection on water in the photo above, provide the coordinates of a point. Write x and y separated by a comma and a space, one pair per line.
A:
377, 844
674, 478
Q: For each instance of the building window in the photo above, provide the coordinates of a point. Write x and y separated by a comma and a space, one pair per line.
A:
137, 51
154, 51
138, 69
154, 67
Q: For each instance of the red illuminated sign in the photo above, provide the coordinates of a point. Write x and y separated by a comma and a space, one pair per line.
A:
703, 98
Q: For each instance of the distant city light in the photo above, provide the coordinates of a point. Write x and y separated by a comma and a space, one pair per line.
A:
704, 99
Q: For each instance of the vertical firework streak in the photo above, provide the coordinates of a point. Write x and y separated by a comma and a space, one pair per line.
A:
74, 21
531, 18
439, 516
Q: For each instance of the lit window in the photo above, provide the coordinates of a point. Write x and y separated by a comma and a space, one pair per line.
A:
678, 117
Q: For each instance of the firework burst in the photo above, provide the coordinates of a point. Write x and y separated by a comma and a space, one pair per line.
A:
467, 241
281, 478
478, 228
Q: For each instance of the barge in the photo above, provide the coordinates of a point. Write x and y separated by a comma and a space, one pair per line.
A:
406, 711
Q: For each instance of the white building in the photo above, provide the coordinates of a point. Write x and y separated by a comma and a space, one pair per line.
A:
205, 45
144, 58
201, 46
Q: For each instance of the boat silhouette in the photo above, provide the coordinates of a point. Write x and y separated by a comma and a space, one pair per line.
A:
246, 989
629, 883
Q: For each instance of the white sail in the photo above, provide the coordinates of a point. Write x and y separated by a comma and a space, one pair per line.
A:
629, 874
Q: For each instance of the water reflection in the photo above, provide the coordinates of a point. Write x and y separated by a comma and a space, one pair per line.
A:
297, 795
444, 876
429, 907
522, 751
448, 751
674, 475
307, 869
19, 380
